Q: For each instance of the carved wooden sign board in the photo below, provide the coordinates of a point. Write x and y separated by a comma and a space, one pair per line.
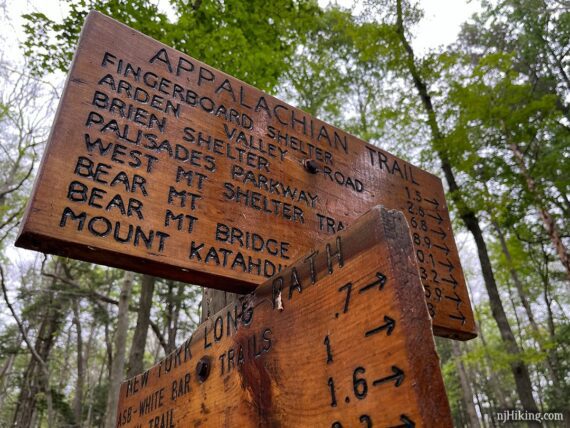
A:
160, 164
342, 338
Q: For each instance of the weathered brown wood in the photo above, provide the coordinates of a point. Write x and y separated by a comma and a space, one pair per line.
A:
160, 164
340, 339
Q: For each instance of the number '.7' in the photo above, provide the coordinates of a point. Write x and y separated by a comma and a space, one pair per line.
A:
348, 288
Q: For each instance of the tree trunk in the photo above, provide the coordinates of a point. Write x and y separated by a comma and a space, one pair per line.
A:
108, 348
5, 373
476, 393
78, 399
138, 345
214, 300
173, 330
90, 383
518, 367
466, 390
514, 307
92, 391
33, 382
170, 309
547, 219
36, 376
117, 370
492, 380
550, 354
108, 337
515, 276
66, 366
561, 402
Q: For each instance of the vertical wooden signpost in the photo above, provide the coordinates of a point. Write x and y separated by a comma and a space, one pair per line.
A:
160, 164
342, 338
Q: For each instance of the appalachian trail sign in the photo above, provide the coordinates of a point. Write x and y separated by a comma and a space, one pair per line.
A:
342, 338
160, 164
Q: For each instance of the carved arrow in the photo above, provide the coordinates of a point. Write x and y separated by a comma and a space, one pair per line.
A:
445, 248
440, 232
448, 265
456, 299
439, 218
451, 280
407, 423
461, 317
433, 201
380, 281
389, 327
398, 376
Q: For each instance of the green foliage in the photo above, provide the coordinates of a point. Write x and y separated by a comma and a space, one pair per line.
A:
99, 401
452, 387
252, 40
60, 405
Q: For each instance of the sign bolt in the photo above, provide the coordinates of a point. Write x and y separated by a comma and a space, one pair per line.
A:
311, 166
203, 369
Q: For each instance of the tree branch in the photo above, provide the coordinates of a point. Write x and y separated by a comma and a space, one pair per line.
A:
107, 299
19, 323
90, 293
159, 336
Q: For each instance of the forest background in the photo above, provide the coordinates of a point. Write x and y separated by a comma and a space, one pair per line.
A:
489, 113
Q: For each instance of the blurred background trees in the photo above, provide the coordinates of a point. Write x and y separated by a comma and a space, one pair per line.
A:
490, 113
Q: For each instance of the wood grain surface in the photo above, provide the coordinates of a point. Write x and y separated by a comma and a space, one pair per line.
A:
342, 338
160, 164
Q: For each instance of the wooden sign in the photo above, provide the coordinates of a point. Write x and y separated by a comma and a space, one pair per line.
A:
160, 164
340, 339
